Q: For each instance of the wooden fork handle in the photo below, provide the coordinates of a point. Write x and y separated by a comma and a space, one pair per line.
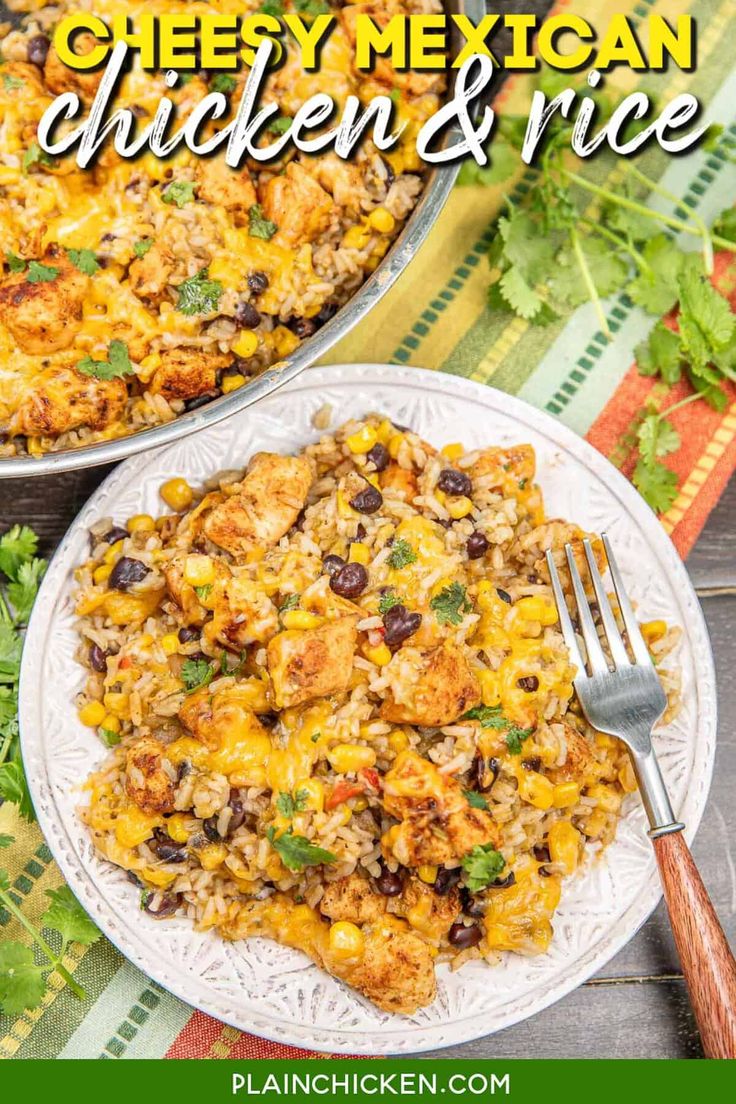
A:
707, 961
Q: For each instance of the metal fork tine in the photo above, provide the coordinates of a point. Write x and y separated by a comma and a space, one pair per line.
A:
596, 659
568, 632
617, 647
638, 644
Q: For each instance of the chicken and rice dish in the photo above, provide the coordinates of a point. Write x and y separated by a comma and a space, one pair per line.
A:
135, 290
339, 709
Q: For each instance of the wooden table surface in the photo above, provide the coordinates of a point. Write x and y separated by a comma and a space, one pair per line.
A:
637, 1006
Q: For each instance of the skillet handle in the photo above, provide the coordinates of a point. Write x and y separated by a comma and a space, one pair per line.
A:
707, 961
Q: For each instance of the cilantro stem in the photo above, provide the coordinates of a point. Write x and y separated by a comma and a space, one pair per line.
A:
637, 257
589, 281
5, 747
7, 901
695, 397
655, 186
642, 209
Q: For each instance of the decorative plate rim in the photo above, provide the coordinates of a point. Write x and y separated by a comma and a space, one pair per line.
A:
404, 1037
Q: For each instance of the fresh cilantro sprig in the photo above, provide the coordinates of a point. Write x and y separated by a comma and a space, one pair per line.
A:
21, 571
491, 716
482, 866
23, 979
117, 363
296, 852
450, 604
198, 294
196, 673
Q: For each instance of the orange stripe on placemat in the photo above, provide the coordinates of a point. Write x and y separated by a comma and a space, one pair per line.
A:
704, 462
205, 1037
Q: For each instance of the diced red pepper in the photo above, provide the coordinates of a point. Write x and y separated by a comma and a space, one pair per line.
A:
371, 777
342, 792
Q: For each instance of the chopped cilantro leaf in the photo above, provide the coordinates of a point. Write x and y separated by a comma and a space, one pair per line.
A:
14, 262
290, 602
258, 225
281, 124
84, 260
198, 294
196, 673
450, 604
40, 273
223, 82
117, 363
475, 800
296, 852
34, 155
179, 192
387, 602
514, 736
109, 738
482, 866
203, 592
288, 806
402, 554
140, 248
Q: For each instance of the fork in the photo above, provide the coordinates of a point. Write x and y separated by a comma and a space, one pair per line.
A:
626, 700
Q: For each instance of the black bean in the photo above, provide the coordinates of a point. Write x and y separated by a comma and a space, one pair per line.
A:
268, 720
302, 327
184, 768
504, 596
480, 770
209, 827
446, 879
388, 883
258, 282
532, 764
328, 311
188, 633
167, 849
529, 683
446, 523
477, 545
378, 456
463, 936
134, 879
350, 581
390, 174
472, 905
168, 905
202, 400
331, 564
38, 48
238, 817
454, 482
400, 624
246, 315
112, 536
367, 501
126, 572
541, 853
97, 658
504, 883
359, 532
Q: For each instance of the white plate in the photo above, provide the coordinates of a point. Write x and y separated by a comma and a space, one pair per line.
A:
257, 985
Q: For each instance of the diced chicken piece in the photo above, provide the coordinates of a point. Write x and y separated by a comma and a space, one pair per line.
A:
266, 506
432, 686
340, 178
299, 206
432, 914
29, 74
61, 399
437, 823
578, 758
147, 783
354, 899
184, 593
229, 188
187, 373
400, 481
243, 614
60, 78
46, 315
223, 719
312, 663
149, 274
395, 971
502, 465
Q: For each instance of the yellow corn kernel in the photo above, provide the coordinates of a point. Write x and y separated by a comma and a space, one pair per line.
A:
381, 220
178, 827
246, 345
380, 654
351, 757
346, 940
212, 856
362, 440
384, 431
89, 604
129, 609
116, 703
627, 779
394, 445
388, 839
489, 691
606, 797
536, 789
427, 874
232, 383
170, 643
564, 845
357, 237
459, 507
301, 619
453, 451
359, 553
595, 824
603, 740
113, 552
92, 714
199, 570
111, 722
177, 494
440, 496
536, 608
133, 826
141, 523
398, 740
565, 794
652, 631
359, 804
159, 878
102, 573
314, 794
284, 340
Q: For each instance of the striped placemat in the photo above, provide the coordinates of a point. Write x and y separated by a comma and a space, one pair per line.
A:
437, 317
